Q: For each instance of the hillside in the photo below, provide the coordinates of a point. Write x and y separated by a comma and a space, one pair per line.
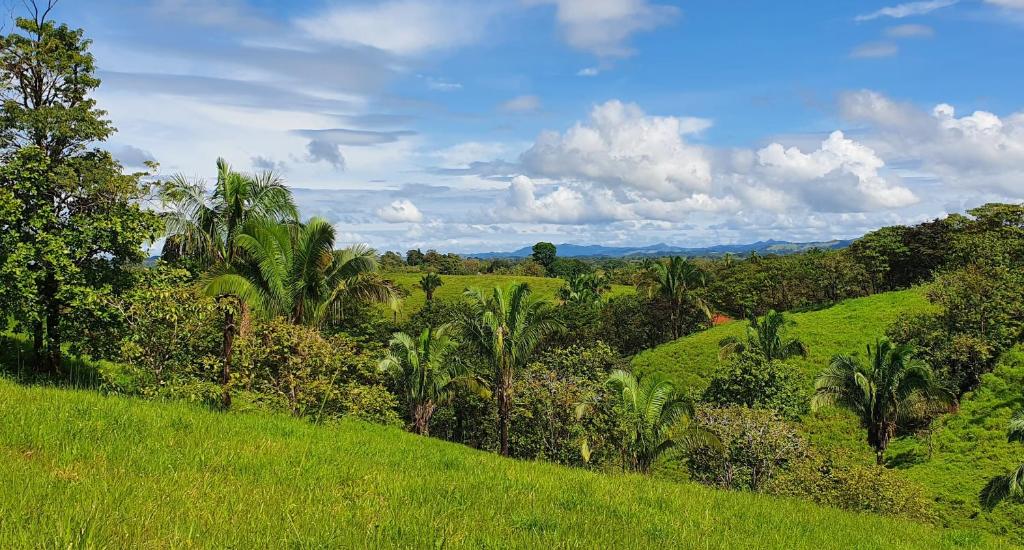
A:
454, 285
843, 328
85, 470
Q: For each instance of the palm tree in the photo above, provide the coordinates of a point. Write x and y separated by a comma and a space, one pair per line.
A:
426, 371
202, 225
891, 388
293, 271
677, 281
505, 327
656, 418
429, 283
765, 338
1010, 485
584, 289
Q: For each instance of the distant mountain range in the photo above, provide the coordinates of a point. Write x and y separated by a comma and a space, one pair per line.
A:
662, 249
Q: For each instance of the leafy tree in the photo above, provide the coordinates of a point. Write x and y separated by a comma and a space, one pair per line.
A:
1010, 485
391, 261
414, 257
430, 283
752, 381
679, 282
656, 418
294, 272
893, 387
765, 337
585, 289
71, 220
506, 327
426, 373
544, 254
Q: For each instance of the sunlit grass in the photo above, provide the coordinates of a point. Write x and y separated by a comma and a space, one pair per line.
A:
84, 470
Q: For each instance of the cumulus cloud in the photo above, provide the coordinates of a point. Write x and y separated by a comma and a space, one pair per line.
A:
400, 211
603, 27
321, 150
402, 27
909, 9
980, 150
621, 146
521, 104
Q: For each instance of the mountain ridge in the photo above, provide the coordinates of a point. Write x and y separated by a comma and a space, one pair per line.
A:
569, 250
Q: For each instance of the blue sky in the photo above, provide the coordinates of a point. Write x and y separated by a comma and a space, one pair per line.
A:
488, 125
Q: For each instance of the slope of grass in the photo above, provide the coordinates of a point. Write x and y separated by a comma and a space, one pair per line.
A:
84, 470
843, 328
969, 448
454, 285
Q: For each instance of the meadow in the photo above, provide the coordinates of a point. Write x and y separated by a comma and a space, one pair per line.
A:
454, 285
85, 470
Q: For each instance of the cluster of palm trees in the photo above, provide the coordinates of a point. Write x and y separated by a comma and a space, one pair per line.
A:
246, 234
680, 283
585, 289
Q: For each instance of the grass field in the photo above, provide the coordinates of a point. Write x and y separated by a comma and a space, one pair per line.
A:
83, 470
454, 285
843, 328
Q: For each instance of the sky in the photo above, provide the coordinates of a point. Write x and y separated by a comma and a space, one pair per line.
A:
487, 125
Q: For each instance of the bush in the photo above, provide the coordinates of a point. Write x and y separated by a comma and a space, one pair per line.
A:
750, 381
852, 487
633, 323
757, 445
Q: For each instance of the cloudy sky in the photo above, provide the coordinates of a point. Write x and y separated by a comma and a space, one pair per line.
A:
488, 125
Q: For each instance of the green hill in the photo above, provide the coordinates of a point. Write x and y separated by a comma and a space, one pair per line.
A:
454, 285
842, 328
85, 470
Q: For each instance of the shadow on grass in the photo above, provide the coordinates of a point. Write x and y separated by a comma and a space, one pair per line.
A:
18, 363
906, 458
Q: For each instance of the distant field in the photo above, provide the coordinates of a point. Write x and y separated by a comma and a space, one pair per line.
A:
455, 285
843, 328
86, 471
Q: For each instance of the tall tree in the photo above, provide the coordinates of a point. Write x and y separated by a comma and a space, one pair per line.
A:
656, 419
71, 216
427, 372
293, 271
679, 283
545, 254
429, 283
766, 337
1010, 485
202, 226
891, 388
505, 327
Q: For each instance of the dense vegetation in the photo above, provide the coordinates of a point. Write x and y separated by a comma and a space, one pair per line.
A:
605, 365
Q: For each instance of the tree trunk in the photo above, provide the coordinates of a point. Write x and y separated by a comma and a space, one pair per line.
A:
880, 457
504, 400
38, 343
229, 343
53, 337
421, 418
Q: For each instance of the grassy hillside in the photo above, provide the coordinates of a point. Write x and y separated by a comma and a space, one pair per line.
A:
843, 328
84, 470
969, 448
455, 285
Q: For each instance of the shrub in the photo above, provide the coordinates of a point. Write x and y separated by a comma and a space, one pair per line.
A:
855, 487
749, 380
757, 445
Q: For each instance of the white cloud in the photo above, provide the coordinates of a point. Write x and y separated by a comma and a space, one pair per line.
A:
622, 147
874, 50
522, 104
909, 9
402, 27
604, 27
588, 71
443, 85
400, 211
1009, 4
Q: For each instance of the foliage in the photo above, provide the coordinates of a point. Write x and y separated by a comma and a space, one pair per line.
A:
680, 283
505, 328
1010, 485
71, 220
754, 446
584, 289
765, 338
888, 392
634, 323
655, 420
429, 284
751, 381
545, 255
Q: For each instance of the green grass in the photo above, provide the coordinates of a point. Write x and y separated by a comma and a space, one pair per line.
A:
968, 449
80, 469
843, 328
454, 285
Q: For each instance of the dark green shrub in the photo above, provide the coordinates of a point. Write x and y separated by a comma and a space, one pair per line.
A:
749, 380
